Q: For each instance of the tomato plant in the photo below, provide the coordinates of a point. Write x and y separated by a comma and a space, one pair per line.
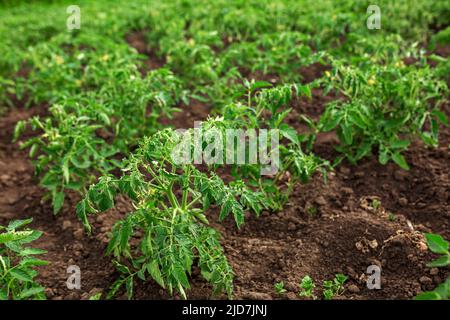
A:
17, 262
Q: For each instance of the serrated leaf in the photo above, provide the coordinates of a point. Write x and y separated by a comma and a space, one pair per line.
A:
440, 116
180, 274
13, 236
20, 275
32, 251
125, 234
330, 122
155, 273
347, 133
31, 292
58, 202
16, 224
289, 133
400, 160
129, 287
32, 262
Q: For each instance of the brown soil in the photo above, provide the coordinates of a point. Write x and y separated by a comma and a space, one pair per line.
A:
188, 114
137, 40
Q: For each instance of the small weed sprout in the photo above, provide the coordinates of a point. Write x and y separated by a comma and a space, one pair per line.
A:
376, 204
279, 288
307, 288
334, 287
312, 211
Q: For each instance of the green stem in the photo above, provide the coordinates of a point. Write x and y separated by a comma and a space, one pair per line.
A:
184, 199
170, 195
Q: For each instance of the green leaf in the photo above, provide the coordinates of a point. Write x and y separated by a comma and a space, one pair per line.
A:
400, 160
31, 292
32, 251
58, 202
18, 130
357, 120
13, 236
440, 262
16, 224
436, 243
33, 150
225, 210
155, 273
125, 234
238, 214
122, 268
383, 156
32, 262
440, 116
115, 287
82, 215
180, 274
30, 236
3, 294
444, 289
96, 296
80, 165
347, 133
20, 275
428, 296
65, 170
399, 144
49, 181
289, 133
129, 287
106, 201
331, 122
74, 185
260, 84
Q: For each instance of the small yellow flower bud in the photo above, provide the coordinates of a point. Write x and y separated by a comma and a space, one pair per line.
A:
59, 60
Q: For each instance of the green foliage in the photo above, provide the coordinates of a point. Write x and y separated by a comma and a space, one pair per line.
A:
437, 245
279, 288
175, 232
334, 287
307, 288
245, 59
264, 106
331, 288
442, 292
385, 107
17, 262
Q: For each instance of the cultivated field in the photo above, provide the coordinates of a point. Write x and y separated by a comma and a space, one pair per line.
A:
335, 183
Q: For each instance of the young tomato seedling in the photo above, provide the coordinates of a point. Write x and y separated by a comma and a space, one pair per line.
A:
307, 288
334, 287
279, 288
170, 202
